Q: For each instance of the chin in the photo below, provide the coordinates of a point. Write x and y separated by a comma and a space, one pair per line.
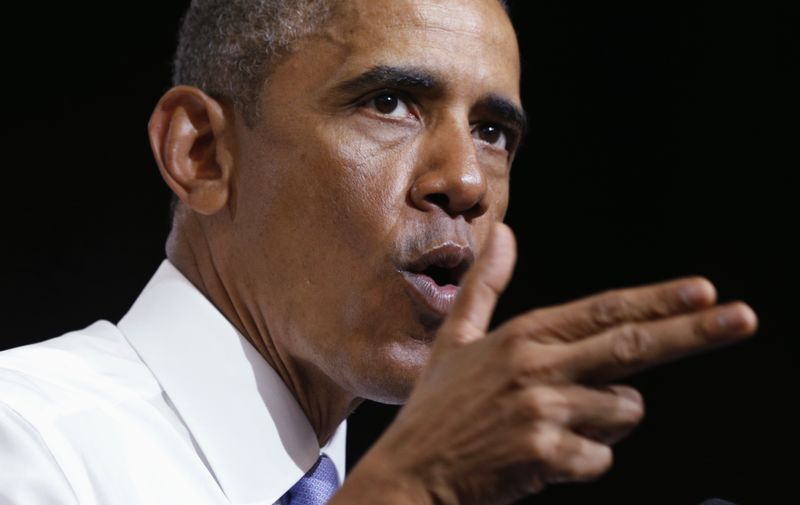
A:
396, 395
392, 378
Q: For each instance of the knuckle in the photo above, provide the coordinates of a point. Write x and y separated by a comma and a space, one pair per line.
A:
519, 329
661, 307
511, 336
610, 309
486, 287
532, 408
631, 345
545, 403
455, 331
539, 369
590, 463
702, 328
542, 444
535, 325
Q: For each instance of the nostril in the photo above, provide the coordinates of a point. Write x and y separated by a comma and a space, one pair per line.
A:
438, 199
477, 210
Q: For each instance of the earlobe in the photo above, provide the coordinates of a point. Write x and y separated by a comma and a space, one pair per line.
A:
187, 133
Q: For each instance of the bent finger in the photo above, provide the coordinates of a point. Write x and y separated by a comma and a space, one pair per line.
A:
604, 415
564, 456
618, 422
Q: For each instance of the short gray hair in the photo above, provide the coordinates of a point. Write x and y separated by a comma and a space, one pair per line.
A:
227, 47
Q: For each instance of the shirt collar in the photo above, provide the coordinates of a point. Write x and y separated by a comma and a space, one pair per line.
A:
252, 432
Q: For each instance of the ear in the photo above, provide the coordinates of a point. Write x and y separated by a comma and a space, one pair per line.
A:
190, 137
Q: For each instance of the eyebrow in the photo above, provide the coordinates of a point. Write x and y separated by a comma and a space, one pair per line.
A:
420, 79
389, 76
506, 110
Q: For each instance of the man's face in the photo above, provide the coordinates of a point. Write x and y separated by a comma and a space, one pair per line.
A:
381, 160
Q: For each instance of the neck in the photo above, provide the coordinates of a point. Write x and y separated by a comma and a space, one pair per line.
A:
324, 403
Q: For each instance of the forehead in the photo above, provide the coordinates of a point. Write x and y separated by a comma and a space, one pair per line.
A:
467, 41
481, 19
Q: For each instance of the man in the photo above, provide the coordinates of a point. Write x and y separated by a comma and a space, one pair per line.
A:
339, 167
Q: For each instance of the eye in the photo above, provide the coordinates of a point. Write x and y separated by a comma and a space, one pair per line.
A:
389, 104
492, 134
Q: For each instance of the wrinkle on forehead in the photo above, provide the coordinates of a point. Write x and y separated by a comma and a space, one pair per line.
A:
465, 17
438, 17
484, 20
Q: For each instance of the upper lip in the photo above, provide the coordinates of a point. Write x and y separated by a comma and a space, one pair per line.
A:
453, 257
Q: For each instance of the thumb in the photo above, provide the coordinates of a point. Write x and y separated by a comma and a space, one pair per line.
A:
482, 285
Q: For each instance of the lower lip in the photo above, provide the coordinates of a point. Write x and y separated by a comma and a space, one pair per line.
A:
437, 299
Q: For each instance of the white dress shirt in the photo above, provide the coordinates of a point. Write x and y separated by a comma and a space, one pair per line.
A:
170, 406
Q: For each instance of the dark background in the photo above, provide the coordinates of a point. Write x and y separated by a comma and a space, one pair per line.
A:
663, 144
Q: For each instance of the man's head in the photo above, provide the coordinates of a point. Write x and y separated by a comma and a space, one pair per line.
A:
334, 225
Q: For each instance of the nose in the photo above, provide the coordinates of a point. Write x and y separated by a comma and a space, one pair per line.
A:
450, 176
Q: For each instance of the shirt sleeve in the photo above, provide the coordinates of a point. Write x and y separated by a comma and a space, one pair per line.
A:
29, 475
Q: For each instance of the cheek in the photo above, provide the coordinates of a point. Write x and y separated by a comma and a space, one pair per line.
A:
499, 204
363, 206
339, 207
367, 174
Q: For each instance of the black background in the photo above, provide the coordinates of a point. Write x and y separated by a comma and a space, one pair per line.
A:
663, 144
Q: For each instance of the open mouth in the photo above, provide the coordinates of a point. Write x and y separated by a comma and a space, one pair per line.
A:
444, 276
435, 276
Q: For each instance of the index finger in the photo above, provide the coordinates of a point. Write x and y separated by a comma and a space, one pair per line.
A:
592, 314
627, 349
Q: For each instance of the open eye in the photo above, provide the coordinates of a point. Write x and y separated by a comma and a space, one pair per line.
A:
492, 134
389, 104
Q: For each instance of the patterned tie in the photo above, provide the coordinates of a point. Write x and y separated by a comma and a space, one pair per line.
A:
316, 487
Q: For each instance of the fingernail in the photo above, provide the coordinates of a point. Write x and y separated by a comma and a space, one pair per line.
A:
733, 319
694, 294
631, 397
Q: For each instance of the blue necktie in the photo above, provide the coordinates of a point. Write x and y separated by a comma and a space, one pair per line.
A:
316, 487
